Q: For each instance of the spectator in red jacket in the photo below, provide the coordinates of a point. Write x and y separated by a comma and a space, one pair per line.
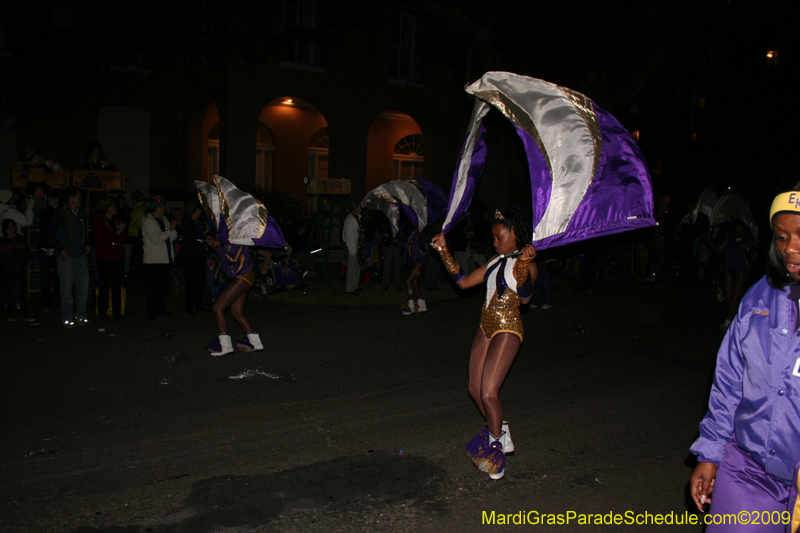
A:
110, 232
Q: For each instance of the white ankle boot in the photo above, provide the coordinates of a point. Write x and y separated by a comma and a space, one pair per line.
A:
251, 343
421, 307
411, 310
498, 440
225, 346
508, 444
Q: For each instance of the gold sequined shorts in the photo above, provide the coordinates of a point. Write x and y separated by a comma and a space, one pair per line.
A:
249, 277
502, 316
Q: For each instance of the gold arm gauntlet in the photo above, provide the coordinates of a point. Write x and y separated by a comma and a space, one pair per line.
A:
450, 264
521, 270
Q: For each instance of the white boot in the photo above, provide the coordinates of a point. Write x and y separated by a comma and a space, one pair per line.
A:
410, 310
499, 440
421, 307
225, 345
508, 444
251, 343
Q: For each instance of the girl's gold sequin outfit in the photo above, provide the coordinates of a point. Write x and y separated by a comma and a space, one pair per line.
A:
500, 313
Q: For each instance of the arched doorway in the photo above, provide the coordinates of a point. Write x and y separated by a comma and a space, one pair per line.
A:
300, 145
265, 149
395, 148
212, 152
211, 135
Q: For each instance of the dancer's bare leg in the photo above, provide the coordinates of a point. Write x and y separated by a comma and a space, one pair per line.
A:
233, 291
237, 310
477, 360
502, 351
412, 282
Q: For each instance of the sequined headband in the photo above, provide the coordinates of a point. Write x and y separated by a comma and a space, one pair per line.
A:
498, 215
788, 201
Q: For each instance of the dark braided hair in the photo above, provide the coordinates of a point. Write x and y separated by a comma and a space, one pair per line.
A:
514, 219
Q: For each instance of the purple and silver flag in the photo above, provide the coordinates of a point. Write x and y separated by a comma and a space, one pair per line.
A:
588, 176
236, 217
420, 201
705, 206
732, 206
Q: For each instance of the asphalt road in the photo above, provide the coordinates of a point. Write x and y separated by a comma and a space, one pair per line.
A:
362, 421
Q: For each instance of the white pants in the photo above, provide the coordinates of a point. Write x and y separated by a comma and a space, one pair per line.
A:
353, 273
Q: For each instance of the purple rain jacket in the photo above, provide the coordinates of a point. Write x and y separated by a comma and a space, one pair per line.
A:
755, 396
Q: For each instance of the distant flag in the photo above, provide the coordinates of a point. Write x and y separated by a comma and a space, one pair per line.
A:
237, 217
588, 176
420, 202
704, 206
732, 206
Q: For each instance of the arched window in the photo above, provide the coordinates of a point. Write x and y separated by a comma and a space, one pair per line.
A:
318, 154
265, 148
409, 157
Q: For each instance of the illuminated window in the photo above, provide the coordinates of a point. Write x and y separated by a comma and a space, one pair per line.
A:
409, 157
772, 58
635, 135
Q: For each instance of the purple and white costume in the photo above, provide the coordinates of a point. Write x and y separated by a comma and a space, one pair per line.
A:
236, 262
752, 428
417, 248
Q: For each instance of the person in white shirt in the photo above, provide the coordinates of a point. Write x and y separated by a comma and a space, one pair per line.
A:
158, 234
8, 209
352, 237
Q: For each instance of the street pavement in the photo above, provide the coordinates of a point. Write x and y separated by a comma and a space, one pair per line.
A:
355, 417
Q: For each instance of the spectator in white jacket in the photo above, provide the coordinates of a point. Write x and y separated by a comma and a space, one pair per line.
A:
158, 234
351, 235
8, 209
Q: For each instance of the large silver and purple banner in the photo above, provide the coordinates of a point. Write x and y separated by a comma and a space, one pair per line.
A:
237, 217
588, 176
418, 201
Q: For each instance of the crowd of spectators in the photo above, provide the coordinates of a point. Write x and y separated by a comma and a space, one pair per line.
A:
153, 242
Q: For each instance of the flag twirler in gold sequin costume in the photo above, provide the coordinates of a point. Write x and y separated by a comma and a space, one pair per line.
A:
508, 283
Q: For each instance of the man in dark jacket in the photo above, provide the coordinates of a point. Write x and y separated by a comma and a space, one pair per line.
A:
47, 259
65, 234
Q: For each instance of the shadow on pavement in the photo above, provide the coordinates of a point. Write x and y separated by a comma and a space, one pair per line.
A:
342, 486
